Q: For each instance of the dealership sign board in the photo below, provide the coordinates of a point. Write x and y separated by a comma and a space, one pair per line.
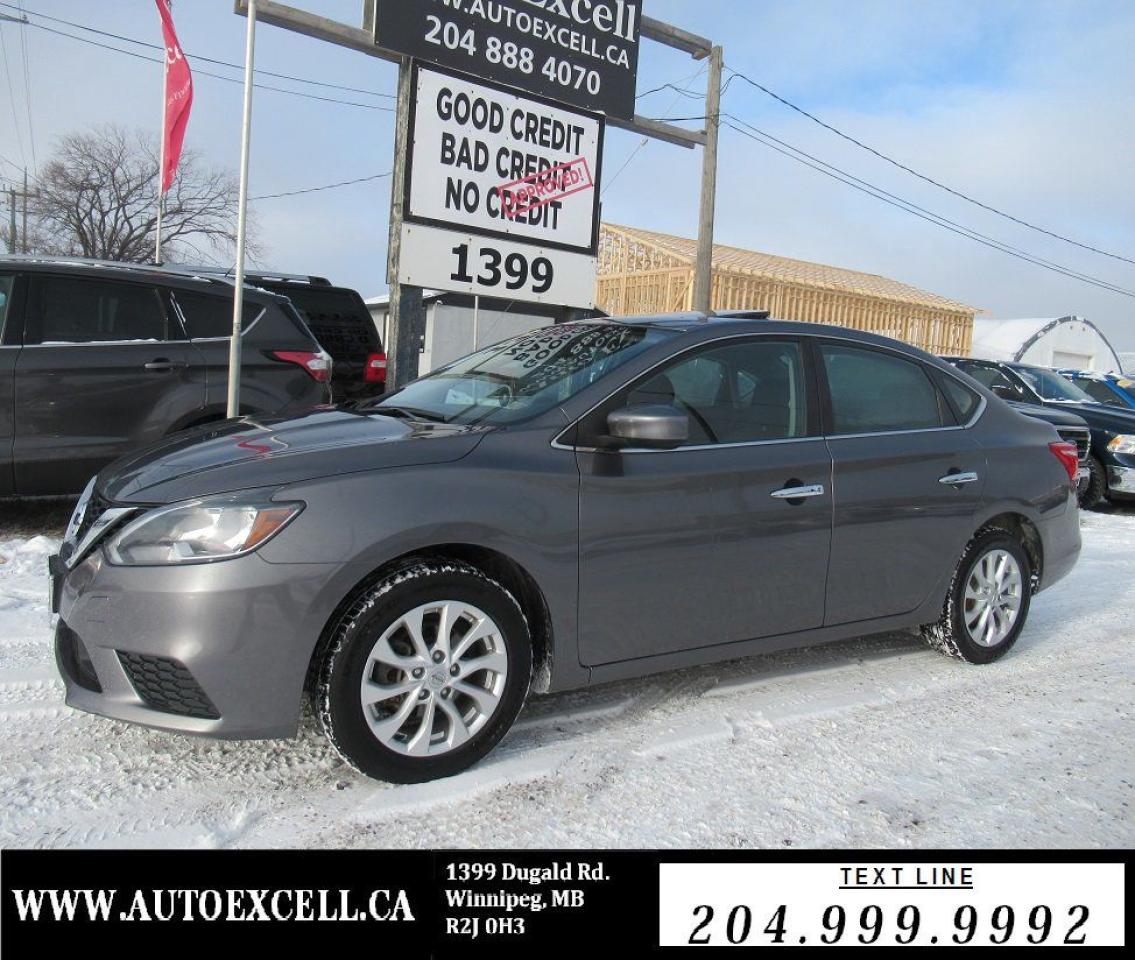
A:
581, 52
487, 160
490, 267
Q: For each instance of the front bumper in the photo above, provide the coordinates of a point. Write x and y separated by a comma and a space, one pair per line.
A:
220, 649
1121, 480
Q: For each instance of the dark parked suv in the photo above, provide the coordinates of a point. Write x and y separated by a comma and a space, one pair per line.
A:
584, 503
1111, 461
98, 358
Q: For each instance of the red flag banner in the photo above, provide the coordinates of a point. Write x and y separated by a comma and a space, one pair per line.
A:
179, 96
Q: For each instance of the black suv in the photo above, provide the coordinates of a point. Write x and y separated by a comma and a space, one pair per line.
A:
342, 324
1111, 459
340, 321
97, 358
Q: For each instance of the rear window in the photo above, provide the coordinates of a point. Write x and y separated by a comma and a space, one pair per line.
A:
875, 392
79, 310
962, 398
208, 316
337, 317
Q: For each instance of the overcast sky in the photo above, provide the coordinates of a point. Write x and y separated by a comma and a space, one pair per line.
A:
1026, 106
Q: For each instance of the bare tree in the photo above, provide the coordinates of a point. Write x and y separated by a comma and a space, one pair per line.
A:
98, 198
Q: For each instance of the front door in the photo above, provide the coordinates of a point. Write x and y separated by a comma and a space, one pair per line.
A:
700, 545
104, 368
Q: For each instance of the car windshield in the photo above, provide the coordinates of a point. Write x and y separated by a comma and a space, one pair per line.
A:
521, 377
1051, 386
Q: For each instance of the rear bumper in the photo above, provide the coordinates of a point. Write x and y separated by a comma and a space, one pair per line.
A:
216, 649
1060, 543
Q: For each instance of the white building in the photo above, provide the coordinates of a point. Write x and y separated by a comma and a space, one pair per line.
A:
456, 325
1061, 342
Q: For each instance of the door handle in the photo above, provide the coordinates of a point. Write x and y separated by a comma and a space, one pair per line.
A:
160, 364
958, 479
799, 493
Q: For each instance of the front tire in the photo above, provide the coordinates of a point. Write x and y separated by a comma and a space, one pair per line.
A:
424, 673
1095, 489
988, 601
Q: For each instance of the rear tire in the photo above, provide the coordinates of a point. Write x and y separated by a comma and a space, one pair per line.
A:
424, 673
988, 601
1095, 490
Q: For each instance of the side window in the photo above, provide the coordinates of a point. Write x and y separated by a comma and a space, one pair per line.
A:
1099, 391
207, 316
993, 378
962, 398
7, 282
874, 392
78, 310
748, 391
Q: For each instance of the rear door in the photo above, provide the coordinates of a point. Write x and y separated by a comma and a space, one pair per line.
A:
907, 482
105, 367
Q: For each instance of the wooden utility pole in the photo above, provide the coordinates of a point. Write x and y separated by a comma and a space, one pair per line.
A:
18, 239
407, 316
703, 275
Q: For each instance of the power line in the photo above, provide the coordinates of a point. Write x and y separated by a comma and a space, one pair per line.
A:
646, 140
203, 59
924, 177
216, 76
12, 96
28, 91
328, 186
879, 194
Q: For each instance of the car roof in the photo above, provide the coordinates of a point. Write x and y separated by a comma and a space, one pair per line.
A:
758, 321
115, 269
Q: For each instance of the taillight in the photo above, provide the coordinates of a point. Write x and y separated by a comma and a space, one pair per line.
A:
375, 371
315, 365
1068, 456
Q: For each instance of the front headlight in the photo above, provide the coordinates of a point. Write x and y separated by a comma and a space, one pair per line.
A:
1124, 443
199, 531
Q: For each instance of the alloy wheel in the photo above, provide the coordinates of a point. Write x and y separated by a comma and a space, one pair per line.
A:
992, 597
434, 678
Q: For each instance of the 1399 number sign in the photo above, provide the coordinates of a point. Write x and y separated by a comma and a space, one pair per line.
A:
513, 271
468, 263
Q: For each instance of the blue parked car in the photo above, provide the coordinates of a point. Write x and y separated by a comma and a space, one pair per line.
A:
1116, 390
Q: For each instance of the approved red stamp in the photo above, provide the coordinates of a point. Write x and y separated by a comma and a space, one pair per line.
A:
518, 197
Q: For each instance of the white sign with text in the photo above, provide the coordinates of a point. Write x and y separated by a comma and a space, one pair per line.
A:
486, 160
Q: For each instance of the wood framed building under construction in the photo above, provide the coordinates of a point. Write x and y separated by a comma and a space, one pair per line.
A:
645, 272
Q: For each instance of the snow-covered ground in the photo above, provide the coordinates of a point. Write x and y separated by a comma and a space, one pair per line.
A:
873, 742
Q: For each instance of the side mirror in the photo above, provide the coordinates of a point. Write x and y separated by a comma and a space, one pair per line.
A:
1005, 392
655, 426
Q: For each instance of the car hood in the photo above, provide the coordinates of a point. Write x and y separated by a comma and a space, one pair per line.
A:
1100, 416
1056, 415
248, 453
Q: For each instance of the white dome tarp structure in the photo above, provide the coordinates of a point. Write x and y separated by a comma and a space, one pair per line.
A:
1061, 342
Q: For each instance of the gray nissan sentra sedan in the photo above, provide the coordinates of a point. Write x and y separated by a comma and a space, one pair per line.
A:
584, 503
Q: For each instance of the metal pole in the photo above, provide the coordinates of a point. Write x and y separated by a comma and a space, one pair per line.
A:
703, 277
12, 248
476, 317
241, 215
407, 317
162, 150
24, 238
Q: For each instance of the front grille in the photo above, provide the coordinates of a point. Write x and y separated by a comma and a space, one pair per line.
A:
96, 507
74, 659
1080, 436
167, 685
